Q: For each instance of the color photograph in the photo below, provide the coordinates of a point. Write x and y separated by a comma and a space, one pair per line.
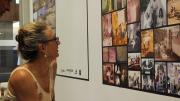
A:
105, 54
108, 73
167, 43
161, 77
123, 75
174, 78
107, 6
134, 61
133, 10
173, 11
122, 54
107, 30
147, 44
112, 54
119, 28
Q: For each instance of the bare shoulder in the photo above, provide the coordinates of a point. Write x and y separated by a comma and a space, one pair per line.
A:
23, 84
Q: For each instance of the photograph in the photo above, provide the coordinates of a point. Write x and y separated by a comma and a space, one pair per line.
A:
107, 30
153, 13
123, 75
108, 73
134, 79
107, 6
112, 54
147, 66
119, 29
148, 82
105, 54
173, 11
6, 30
117, 74
173, 78
133, 11
134, 61
134, 37
166, 43
147, 43
161, 77
121, 54
119, 4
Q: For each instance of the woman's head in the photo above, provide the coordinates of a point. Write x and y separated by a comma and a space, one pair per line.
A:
30, 36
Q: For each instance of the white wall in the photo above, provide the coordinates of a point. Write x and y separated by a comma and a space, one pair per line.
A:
68, 89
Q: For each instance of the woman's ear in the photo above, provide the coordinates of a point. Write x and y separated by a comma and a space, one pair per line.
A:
42, 48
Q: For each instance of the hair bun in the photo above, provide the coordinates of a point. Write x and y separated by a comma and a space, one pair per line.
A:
20, 37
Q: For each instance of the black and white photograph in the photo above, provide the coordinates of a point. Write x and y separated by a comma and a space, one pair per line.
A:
134, 79
148, 82
147, 66
134, 36
153, 13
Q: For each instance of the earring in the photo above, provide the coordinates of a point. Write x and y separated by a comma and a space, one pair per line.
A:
45, 56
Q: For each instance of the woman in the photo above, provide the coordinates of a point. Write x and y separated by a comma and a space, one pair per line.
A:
34, 80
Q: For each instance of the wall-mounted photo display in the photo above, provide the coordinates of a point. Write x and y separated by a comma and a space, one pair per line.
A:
140, 45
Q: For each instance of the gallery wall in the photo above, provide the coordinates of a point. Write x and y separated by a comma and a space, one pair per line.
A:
68, 89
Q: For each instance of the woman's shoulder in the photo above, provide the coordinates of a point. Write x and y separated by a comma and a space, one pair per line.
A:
20, 76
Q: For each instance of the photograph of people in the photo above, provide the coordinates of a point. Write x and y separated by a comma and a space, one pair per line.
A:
108, 73
134, 61
107, 30
147, 66
119, 28
147, 43
107, 6
173, 78
167, 43
160, 77
134, 79
153, 13
134, 37
173, 11
148, 82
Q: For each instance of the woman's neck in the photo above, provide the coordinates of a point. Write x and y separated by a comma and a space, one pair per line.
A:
40, 66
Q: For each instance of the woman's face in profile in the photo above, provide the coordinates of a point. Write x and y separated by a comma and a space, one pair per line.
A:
52, 46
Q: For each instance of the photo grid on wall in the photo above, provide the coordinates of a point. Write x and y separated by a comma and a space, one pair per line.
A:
140, 45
